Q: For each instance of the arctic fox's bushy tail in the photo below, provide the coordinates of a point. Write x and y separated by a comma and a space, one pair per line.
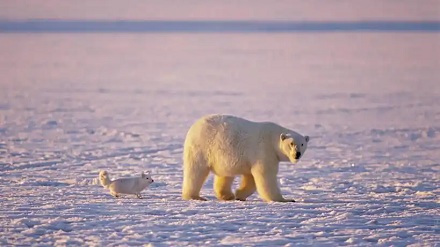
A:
104, 179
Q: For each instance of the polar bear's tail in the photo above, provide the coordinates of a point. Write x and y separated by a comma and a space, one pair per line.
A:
104, 179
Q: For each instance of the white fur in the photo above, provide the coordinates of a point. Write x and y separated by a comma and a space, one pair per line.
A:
229, 146
130, 185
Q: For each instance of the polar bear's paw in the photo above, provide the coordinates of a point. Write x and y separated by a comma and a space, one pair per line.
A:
288, 200
226, 197
198, 198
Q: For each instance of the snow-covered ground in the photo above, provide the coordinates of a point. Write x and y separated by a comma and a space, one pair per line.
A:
73, 104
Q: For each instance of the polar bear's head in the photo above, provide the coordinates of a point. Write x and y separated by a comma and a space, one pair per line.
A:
293, 146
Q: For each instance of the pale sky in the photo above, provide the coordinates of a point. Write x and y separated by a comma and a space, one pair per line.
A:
299, 10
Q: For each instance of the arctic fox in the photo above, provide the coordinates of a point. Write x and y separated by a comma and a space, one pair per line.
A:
130, 185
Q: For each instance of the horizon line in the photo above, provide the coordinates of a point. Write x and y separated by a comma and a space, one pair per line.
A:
210, 26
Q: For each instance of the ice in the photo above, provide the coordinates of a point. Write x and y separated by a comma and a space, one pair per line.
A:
74, 104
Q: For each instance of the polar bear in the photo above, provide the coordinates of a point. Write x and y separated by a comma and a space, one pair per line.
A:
230, 146
130, 185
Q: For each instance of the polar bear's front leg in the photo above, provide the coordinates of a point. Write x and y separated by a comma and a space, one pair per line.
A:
222, 188
247, 187
114, 194
267, 185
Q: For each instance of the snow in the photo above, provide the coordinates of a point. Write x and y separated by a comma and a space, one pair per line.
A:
74, 104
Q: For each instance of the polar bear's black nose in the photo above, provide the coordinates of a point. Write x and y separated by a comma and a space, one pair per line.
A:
298, 155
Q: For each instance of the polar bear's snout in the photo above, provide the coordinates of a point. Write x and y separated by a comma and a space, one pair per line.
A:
298, 155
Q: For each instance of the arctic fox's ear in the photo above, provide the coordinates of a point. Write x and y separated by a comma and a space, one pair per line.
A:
307, 138
283, 136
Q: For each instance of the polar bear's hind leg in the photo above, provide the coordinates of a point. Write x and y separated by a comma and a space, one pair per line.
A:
222, 188
194, 176
247, 187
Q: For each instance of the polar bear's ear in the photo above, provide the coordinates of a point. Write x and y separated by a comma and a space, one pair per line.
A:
307, 138
283, 136
143, 175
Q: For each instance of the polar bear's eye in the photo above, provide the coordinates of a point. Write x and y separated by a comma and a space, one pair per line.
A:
302, 145
291, 144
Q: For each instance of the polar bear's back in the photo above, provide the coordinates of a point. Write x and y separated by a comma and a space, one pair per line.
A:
218, 129
228, 142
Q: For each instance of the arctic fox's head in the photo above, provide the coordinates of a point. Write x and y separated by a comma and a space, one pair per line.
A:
147, 177
104, 178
